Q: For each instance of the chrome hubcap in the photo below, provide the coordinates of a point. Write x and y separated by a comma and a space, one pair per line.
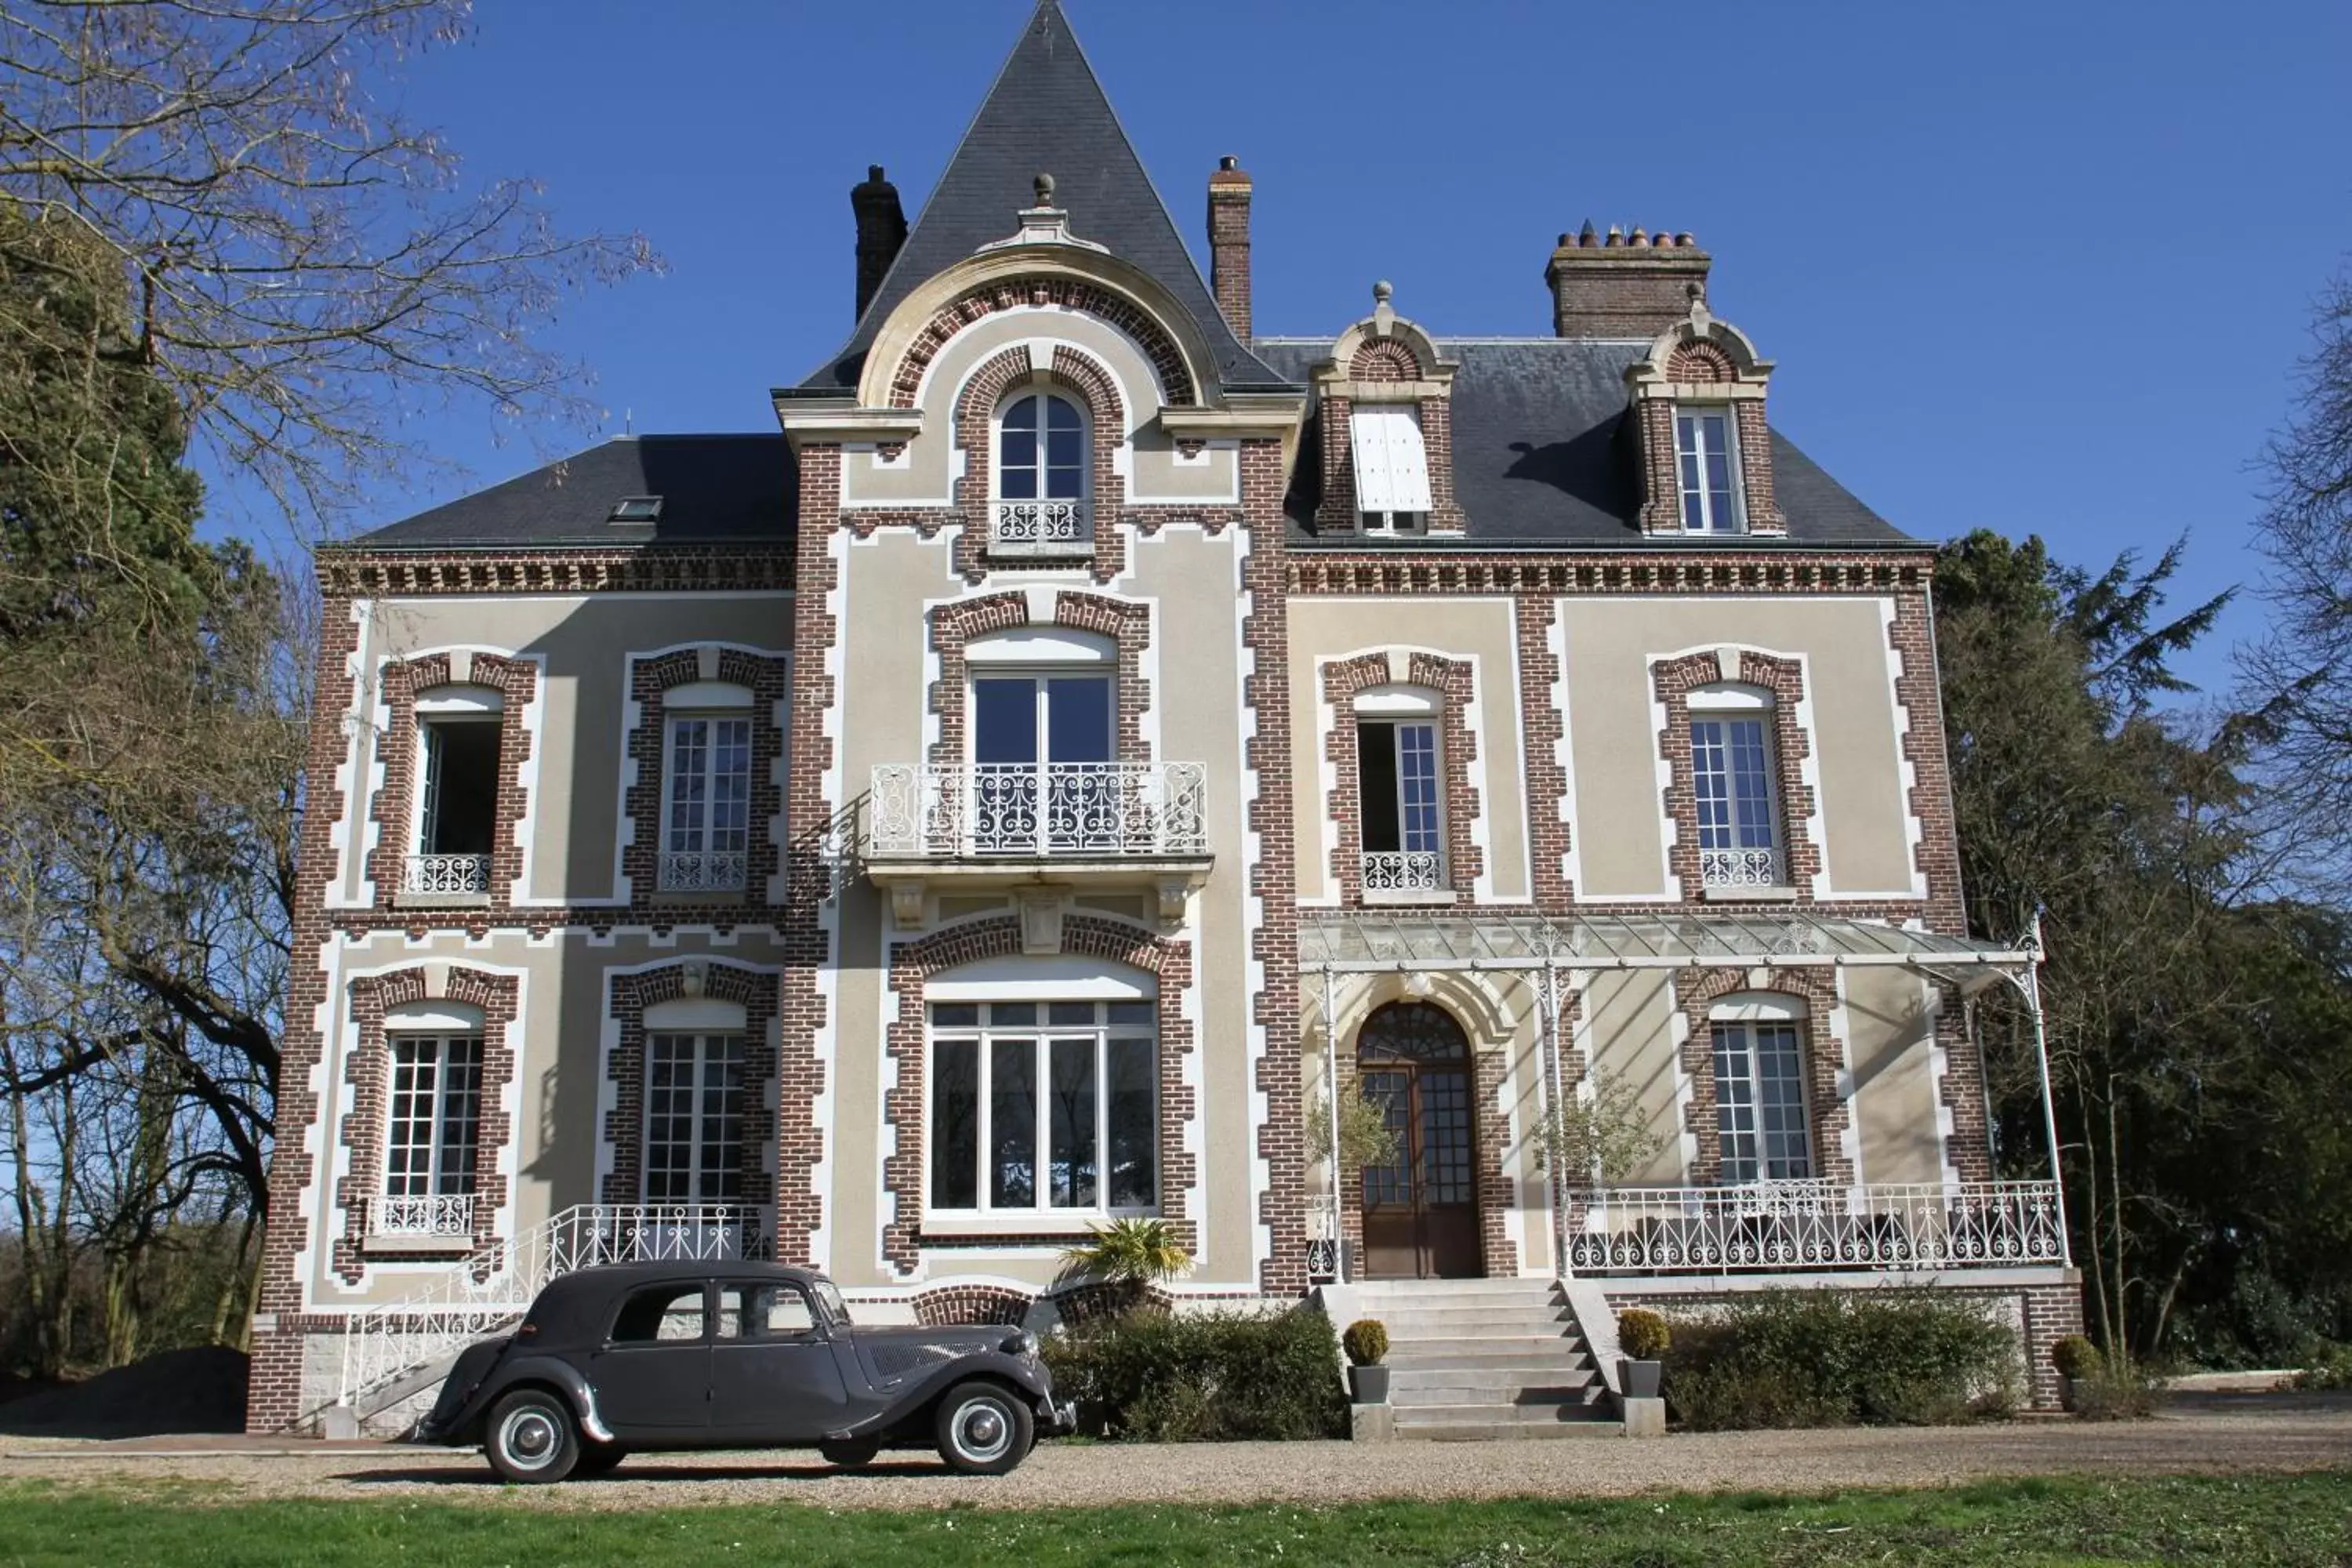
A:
983, 1432
529, 1439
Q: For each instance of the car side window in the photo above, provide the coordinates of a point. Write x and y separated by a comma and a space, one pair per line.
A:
763, 1312
659, 1313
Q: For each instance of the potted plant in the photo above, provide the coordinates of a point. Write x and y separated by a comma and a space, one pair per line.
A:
1125, 1258
2077, 1360
1367, 1344
1643, 1337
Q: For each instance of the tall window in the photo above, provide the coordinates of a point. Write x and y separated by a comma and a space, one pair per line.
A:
436, 1115
1041, 476
694, 1119
706, 836
1738, 817
1042, 778
1040, 1106
457, 821
1704, 453
1759, 1102
1401, 788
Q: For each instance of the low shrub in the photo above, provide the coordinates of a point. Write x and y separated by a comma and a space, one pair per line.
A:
1366, 1342
1643, 1335
1830, 1358
2117, 1389
2075, 1355
2330, 1369
1157, 1377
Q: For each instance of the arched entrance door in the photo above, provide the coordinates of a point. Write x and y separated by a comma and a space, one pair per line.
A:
1421, 1213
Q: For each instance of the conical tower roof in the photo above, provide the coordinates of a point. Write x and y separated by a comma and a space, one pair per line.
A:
1047, 114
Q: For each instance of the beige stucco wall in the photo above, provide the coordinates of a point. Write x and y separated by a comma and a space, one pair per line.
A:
1612, 730
1626, 1029
925, 473
1891, 1045
1481, 630
584, 644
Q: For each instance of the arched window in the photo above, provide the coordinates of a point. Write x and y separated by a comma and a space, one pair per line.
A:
1042, 449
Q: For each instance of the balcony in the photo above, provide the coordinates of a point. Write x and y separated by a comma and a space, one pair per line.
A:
1734, 872
704, 871
437, 1222
1784, 1227
1044, 530
998, 823
456, 876
1403, 876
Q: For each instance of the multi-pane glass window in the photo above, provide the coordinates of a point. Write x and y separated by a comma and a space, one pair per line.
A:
694, 1118
1042, 450
1731, 776
436, 1115
1760, 1103
1703, 461
707, 830
1403, 816
1043, 779
1044, 1106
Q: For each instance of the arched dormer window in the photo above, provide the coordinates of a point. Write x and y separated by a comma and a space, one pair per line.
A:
1041, 478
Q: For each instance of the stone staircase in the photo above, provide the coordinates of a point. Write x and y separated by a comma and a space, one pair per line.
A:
1486, 1358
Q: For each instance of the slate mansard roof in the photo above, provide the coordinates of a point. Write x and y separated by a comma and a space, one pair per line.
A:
1542, 455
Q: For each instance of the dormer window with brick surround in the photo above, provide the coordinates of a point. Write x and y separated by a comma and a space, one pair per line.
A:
1385, 404
1707, 468
1392, 468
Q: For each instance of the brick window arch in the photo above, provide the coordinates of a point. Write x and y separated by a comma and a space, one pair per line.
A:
1674, 680
400, 750
955, 626
1452, 683
652, 677
623, 1133
1829, 1117
1000, 380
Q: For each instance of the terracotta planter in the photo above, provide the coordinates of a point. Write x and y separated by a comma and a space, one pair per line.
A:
1368, 1384
1638, 1379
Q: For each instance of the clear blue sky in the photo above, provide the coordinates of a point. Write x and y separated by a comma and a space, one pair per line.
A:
2044, 267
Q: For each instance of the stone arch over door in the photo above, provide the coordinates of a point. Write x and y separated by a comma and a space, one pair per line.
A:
1440, 1210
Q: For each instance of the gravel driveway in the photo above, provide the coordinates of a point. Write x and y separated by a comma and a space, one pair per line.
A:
2207, 1435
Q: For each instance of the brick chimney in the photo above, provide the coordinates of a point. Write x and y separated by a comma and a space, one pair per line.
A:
881, 230
1623, 286
1229, 244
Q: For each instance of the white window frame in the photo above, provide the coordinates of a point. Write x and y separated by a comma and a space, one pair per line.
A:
442, 1175
1397, 710
1005, 406
708, 1052
1736, 498
985, 1212
703, 866
1761, 1165
1731, 704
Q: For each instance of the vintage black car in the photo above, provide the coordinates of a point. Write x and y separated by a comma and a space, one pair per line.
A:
644, 1356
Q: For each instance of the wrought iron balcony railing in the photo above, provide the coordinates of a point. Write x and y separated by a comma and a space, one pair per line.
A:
452, 875
440, 1214
1796, 1225
703, 870
1027, 809
1742, 867
1047, 528
1403, 871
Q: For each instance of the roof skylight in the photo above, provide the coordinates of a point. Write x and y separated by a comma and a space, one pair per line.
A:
637, 509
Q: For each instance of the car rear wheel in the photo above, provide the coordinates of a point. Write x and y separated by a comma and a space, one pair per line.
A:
851, 1453
530, 1437
984, 1429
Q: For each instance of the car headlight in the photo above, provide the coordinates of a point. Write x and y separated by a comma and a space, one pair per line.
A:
1023, 1343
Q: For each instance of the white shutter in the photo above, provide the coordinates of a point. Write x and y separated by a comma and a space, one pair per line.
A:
1391, 466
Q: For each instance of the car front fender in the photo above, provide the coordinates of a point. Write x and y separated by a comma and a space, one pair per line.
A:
1026, 1375
552, 1371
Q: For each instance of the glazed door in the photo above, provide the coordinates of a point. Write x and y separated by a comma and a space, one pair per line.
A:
1420, 1211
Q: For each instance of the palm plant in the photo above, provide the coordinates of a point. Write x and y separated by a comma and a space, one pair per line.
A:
1134, 1251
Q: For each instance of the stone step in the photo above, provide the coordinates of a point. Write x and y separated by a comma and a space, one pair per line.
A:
1452, 1301
1508, 1431
1548, 1413
1476, 1350
1482, 1384
1423, 1321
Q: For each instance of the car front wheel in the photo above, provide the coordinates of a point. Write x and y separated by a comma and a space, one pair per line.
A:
530, 1437
984, 1429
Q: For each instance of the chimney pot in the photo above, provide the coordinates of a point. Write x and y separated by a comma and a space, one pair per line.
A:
1230, 191
1625, 286
881, 230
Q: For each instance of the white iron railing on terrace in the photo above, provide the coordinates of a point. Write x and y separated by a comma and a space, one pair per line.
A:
1073, 809
437, 1214
1741, 868
703, 870
491, 1290
1403, 871
1042, 528
1322, 1236
458, 875
1777, 1226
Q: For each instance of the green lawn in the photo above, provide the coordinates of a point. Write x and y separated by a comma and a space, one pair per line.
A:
2269, 1520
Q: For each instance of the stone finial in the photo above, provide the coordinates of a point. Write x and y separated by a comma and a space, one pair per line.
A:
1044, 185
1383, 292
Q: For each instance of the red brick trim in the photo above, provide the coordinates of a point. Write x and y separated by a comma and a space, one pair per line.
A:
347, 573
1402, 570
907, 1113
367, 1076
392, 813
1011, 293
954, 626
1451, 679
1673, 681
953, 1305
997, 378
628, 996
1912, 635
1543, 700
1961, 1092
2051, 1313
1338, 513
652, 676
1384, 359
1827, 1114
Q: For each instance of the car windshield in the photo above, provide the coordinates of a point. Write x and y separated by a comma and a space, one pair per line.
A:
829, 1294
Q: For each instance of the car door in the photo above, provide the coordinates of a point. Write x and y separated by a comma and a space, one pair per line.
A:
652, 1374
774, 1377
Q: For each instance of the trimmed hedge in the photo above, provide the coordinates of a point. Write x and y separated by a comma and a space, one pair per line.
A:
1157, 1377
1836, 1358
